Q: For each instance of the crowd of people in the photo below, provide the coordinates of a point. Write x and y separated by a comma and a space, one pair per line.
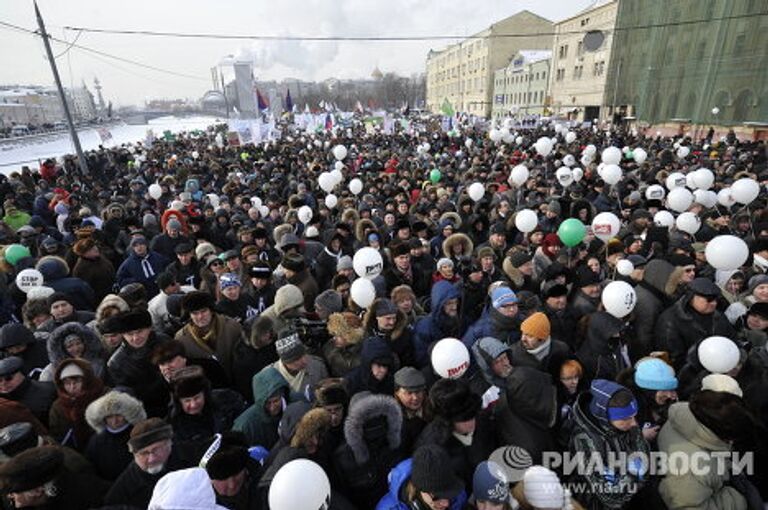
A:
186, 324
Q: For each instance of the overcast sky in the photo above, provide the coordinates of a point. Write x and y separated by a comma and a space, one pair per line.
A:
22, 60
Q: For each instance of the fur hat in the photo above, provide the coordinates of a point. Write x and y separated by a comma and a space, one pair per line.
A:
230, 458
315, 422
485, 251
399, 248
331, 391
114, 402
204, 249
197, 300
346, 325
82, 246
133, 320
31, 469
147, 432
362, 411
189, 381
453, 401
293, 262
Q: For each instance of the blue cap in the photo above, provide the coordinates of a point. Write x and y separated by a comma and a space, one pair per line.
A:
229, 280
503, 296
655, 374
489, 483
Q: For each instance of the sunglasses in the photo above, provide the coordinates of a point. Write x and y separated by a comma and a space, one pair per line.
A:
216, 263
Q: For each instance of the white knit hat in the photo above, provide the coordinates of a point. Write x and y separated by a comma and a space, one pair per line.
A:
542, 488
721, 383
71, 370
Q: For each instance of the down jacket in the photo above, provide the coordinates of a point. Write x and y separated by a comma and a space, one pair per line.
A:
94, 349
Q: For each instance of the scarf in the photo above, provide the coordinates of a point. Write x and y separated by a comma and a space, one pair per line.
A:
464, 439
296, 382
149, 272
542, 351
206, 339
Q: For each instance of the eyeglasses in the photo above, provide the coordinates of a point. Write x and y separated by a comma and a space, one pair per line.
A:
216, 263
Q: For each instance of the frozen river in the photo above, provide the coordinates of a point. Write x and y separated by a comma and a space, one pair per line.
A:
12, 157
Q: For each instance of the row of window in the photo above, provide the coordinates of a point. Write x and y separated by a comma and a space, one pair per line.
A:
598, 69
518, 98
521, 78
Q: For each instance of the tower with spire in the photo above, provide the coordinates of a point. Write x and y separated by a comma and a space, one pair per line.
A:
97, 86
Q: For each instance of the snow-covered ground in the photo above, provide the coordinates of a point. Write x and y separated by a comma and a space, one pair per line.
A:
14, 157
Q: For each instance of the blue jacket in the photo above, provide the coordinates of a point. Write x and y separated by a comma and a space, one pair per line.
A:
56, 276
429, 328
492, 323
397, 478
131, 271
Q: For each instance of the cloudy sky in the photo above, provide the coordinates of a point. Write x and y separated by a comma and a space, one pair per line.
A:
22, 60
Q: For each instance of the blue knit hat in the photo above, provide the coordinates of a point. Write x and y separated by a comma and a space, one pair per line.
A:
655, 374
490, 484
503, 296
229, 280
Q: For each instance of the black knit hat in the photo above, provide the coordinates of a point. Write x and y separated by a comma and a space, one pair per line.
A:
432, 473
453, 401
31, 469
133, 320
59, 296
519, 257
585, 276
197, 300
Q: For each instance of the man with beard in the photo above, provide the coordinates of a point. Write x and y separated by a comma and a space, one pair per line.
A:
154, 456
443, 320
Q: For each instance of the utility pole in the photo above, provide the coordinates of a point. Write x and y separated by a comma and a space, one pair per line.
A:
67, 114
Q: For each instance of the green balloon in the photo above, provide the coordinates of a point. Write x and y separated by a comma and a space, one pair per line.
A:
571, 232
629, 155
16, 252
435, 176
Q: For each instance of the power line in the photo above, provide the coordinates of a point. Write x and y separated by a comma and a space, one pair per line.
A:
103, 53
69, 47
193, 35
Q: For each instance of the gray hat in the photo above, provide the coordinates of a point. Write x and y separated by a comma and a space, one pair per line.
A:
345, 262
289, 346
10, 365
384, 306
330, 300
410, 379
554, 206
637, 260
289, 239
704, 287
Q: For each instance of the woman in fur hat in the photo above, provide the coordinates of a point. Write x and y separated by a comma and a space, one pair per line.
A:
112, 416
73, 340
342, 352
77, 386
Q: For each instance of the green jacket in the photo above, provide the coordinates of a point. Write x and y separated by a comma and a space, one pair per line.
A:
16, 220
259, 428
683, 434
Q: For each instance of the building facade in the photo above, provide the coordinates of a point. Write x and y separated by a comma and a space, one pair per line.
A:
462, 74
581, 55
81, 103
701, 62
522, 87
30, 105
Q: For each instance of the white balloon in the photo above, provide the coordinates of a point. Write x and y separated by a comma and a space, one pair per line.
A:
338, 165
745, 190
706, 198
578, 173
326, 181
526, 221
570, 137
155, 191
611, 174
543, 146
564, 176
619, 299
468, 143
725, 198
590, 149
507, 123
337, 176
655, 192
640, 155
264, 211
675, 180
683, 151
494, 135
331, 201
726, 252
368, 262
690, 181
585, 159
704, 178
362, 292
718, 354
213, 198
339, 152
519, 175
305, 214
688, 222
558, 128
315, 489
506, 136
679, 199
663, 219
256, 202
606, 226
426, 146
28, 279
624, 267
611, 156
519, 140
450, 358
355, 186
569, 160
476, 191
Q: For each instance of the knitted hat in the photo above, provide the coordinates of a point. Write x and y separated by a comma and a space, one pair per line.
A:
485, 251
760, 309
71, 370
260, 270
133, 320
721, 383
229, 280
10, 365
13, 334
293, 262
490, 484
503, 296
197, 300
346, 325
519, 257
432, 473
289, 346
329, 300
537, 326
31, 469
655, 374
138, 240
344, 262
204, 249
383, 306
148, 432
59, 296
542, 488
445, 261
453, 400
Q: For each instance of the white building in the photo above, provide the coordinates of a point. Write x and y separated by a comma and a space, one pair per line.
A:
30, 105
82, 105
522, 87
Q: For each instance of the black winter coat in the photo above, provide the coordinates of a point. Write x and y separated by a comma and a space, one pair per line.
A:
109, 453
